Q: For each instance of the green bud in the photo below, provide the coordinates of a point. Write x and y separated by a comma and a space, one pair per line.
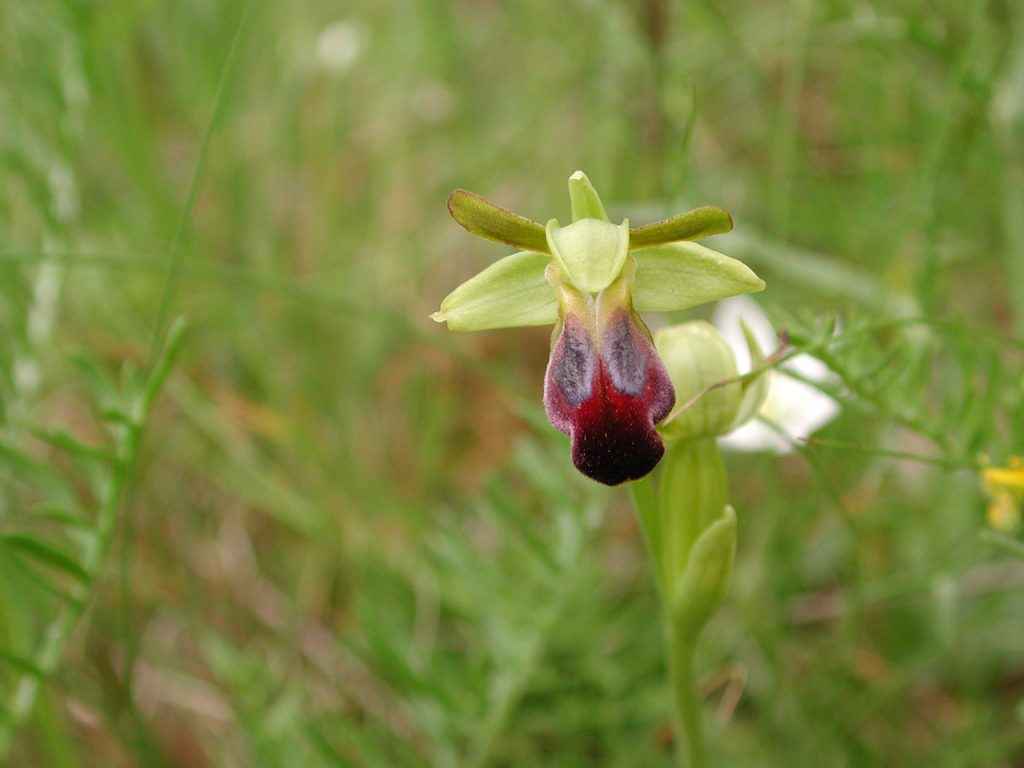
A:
697, 357
693, 490
704, 583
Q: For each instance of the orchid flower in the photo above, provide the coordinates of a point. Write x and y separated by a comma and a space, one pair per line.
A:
792, 405
605, 385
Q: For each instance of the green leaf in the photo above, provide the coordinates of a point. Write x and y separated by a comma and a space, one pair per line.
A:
510, 293
692, 225
487, 220
161, 367
591, 252
705, 582
26, 666
682, 275
1009, 543
18, 465
72, 519
586, 203
29, 546
91, 372
65, 441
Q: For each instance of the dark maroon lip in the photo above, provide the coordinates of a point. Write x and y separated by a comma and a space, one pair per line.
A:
608, 402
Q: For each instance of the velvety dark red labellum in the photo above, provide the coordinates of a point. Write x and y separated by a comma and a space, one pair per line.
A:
608, 400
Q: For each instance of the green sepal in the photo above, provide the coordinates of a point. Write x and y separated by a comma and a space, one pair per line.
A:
683, 275
692, 225
586, 203
589, 251
510, 293
755, 389
485, 219
704, 583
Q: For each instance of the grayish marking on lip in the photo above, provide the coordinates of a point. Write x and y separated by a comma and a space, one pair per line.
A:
625, 356
574, 363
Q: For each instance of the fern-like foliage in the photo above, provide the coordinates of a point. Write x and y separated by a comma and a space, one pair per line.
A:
954, 385
62, 495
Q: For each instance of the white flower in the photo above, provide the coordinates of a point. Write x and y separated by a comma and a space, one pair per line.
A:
797, 408
340, 45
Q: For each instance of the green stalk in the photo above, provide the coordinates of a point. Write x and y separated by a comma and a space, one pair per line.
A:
690, 531
683, 680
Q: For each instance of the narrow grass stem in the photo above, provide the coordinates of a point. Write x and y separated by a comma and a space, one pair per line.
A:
170, 289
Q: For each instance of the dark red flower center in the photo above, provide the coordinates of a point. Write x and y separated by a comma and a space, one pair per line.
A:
608, 400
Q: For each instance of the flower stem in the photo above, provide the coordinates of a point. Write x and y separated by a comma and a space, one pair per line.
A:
689, 733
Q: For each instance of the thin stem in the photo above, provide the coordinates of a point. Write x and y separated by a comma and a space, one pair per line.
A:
168, 296
935, 461
1008, 122
689, 729
690, 496
923, 217
787, 130
170, 290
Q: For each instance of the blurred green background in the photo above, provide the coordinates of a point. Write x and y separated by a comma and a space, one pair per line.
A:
348, 537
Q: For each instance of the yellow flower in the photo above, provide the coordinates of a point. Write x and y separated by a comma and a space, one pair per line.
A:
1005, 489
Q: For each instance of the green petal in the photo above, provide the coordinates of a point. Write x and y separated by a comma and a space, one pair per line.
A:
681, 275
590, 252
485, 219
693, 225
586, 203
510, 293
